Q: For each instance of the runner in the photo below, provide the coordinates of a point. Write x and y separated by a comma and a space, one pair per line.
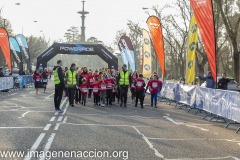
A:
84, 91
133, 87
45, 75
103, 90
140, 84
154, 88
37, 77
110, 84
95, 86
90, 76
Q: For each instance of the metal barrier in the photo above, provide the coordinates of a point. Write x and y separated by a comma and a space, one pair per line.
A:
9, 84
219, 104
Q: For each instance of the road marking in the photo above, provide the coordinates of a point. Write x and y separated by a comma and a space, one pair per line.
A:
24, 114
149, 144
65, 110
35, 146
168, 139
65, 120
60, 118
13, 94
48, 145
171, 120
63, 102
203, 129
56, 126
47, 127
52, 119
56, 113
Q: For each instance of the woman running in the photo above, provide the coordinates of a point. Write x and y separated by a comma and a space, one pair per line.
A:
37, 80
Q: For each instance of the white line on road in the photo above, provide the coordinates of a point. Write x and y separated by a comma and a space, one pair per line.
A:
63, 102
65, 120
47, 127
149, 144
52, 119
48, 145
24, 114
203, 129
171, 120
35, 146
60, 118
65, 110
56, 127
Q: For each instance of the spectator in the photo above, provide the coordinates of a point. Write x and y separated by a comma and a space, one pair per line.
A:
209, 80
1, 73
223, 82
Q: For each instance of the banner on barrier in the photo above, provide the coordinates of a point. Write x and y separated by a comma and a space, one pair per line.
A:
219, 102
6, 83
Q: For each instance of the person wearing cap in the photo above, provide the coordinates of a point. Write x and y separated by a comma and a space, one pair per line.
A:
124, 79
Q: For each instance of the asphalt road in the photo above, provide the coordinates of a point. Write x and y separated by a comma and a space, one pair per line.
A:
28, 122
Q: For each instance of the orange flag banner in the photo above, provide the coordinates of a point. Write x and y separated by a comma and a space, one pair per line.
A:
155, 29
4, 45
203, 12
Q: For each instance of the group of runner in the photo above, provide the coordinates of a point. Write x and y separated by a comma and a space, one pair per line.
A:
106, 85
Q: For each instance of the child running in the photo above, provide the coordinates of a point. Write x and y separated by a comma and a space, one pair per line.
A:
140, 84
95, 86
154, 86
110, 84
84, 91
103, 90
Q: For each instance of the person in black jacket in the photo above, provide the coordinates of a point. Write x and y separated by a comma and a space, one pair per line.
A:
223, 82
59, 85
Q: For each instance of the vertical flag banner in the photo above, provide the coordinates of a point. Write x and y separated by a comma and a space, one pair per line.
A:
123, 55
157, 38
146, 55
16, 52
191, 52
4, 45
203, 12
128, 50
24, 50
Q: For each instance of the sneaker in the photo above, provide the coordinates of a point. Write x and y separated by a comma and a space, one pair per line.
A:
125, 105
155, 106
151, 105
141, 106
72, 105
135, 105
59, 111
121, 104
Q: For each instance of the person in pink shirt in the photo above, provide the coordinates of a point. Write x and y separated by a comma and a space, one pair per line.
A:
37, 77
110, 84
102, 91
84, 91
154, 86
96, 86
90, 77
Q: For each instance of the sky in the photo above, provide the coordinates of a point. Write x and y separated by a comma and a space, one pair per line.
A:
54, 17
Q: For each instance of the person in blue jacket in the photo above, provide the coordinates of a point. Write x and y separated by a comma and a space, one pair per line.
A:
209, 80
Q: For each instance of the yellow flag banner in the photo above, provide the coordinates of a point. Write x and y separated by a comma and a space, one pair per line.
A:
146, 55
191, 53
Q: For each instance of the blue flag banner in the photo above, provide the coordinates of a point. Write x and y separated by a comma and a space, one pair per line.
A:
124, 58
16, 52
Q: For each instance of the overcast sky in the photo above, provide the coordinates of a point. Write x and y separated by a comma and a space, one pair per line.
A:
54, 17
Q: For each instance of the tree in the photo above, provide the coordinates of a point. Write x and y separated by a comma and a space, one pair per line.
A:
36, 46
72, 35
231, 20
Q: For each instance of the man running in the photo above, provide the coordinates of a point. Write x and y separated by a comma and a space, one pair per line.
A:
59, 85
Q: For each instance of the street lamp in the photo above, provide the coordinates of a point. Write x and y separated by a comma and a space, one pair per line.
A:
83, 13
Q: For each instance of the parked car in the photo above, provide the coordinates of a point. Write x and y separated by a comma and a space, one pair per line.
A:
232, 85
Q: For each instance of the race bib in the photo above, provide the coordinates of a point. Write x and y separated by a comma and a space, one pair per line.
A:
95, 90
103, 87
84, 89
45, 80
154, 84
90, 80
133, 86
139, 84
37, 79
